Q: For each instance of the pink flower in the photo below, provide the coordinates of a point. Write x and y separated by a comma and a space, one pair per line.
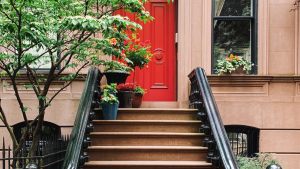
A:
147, 41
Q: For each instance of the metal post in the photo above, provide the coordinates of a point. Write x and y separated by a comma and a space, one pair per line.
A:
3, 154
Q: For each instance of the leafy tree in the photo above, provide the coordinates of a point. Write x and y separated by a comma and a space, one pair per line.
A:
60, 33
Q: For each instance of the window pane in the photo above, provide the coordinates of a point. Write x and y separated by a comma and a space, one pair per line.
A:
232, 37
45, 61
233, 8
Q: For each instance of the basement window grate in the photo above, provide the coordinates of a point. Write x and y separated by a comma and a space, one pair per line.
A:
243, 140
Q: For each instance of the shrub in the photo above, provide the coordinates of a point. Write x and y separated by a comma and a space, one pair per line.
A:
261, 161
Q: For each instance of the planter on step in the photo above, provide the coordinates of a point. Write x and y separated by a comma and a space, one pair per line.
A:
125, 99
117, 76
137, 100
109, 111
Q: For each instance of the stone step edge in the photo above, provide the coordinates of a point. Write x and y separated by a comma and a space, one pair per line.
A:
154, 110
150, 134
147, 163
145, 148
148, 121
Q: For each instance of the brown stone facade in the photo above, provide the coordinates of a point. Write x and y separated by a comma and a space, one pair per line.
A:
269, 101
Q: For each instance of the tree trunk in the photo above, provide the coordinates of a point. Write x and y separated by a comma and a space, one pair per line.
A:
38, 129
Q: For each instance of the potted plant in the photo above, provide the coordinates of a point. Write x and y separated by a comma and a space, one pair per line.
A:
111, 89
138, 96
137, 53
116, 72
126, 94
109, 106
233, 65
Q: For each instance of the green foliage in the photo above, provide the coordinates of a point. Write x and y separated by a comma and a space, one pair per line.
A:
25, 109
108, 98
261, 161
115, 65
137, 52
110, 88
34, 25
231, 63
138, 89
61, 35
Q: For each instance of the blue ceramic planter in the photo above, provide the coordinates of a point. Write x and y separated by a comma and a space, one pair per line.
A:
109, 111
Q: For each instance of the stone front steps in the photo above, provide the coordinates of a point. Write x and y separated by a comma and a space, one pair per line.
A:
148, 139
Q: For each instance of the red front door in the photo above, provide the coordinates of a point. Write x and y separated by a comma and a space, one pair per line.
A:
159, 77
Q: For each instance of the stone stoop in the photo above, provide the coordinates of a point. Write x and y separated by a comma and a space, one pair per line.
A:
148, 138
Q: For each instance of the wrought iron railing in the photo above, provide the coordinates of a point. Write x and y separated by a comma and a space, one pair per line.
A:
220, 153
50, 154
76, 154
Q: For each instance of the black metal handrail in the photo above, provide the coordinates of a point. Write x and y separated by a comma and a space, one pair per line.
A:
201, 97
76, 154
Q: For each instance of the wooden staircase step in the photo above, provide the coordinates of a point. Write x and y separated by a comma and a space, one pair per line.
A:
153, 114
176, 126
147, 165
146, 139
147, 153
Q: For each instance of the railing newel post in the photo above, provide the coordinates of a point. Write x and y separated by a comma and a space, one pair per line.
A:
201, 98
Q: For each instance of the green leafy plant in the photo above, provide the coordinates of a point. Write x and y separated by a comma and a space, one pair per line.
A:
115, 65
62, 35
261, 161
232, 63
136, 53
109, 98
138, 89
110, 88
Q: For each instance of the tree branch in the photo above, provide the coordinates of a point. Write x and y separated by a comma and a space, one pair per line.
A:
36, 89
10, 130
13, 78
68, 83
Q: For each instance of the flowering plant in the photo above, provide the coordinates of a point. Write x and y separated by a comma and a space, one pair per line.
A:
232, 63
138, 89
108, 98
115, 65
137, 52
126, 87
110, 88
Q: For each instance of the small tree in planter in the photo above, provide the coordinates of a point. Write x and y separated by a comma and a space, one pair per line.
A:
109, 105
126, 94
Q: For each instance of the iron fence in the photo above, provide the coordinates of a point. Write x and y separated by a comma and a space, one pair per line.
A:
49, 154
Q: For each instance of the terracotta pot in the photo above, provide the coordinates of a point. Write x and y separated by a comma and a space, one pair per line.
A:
109, 111
125, 99
116, 76
137, 100
238, 71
